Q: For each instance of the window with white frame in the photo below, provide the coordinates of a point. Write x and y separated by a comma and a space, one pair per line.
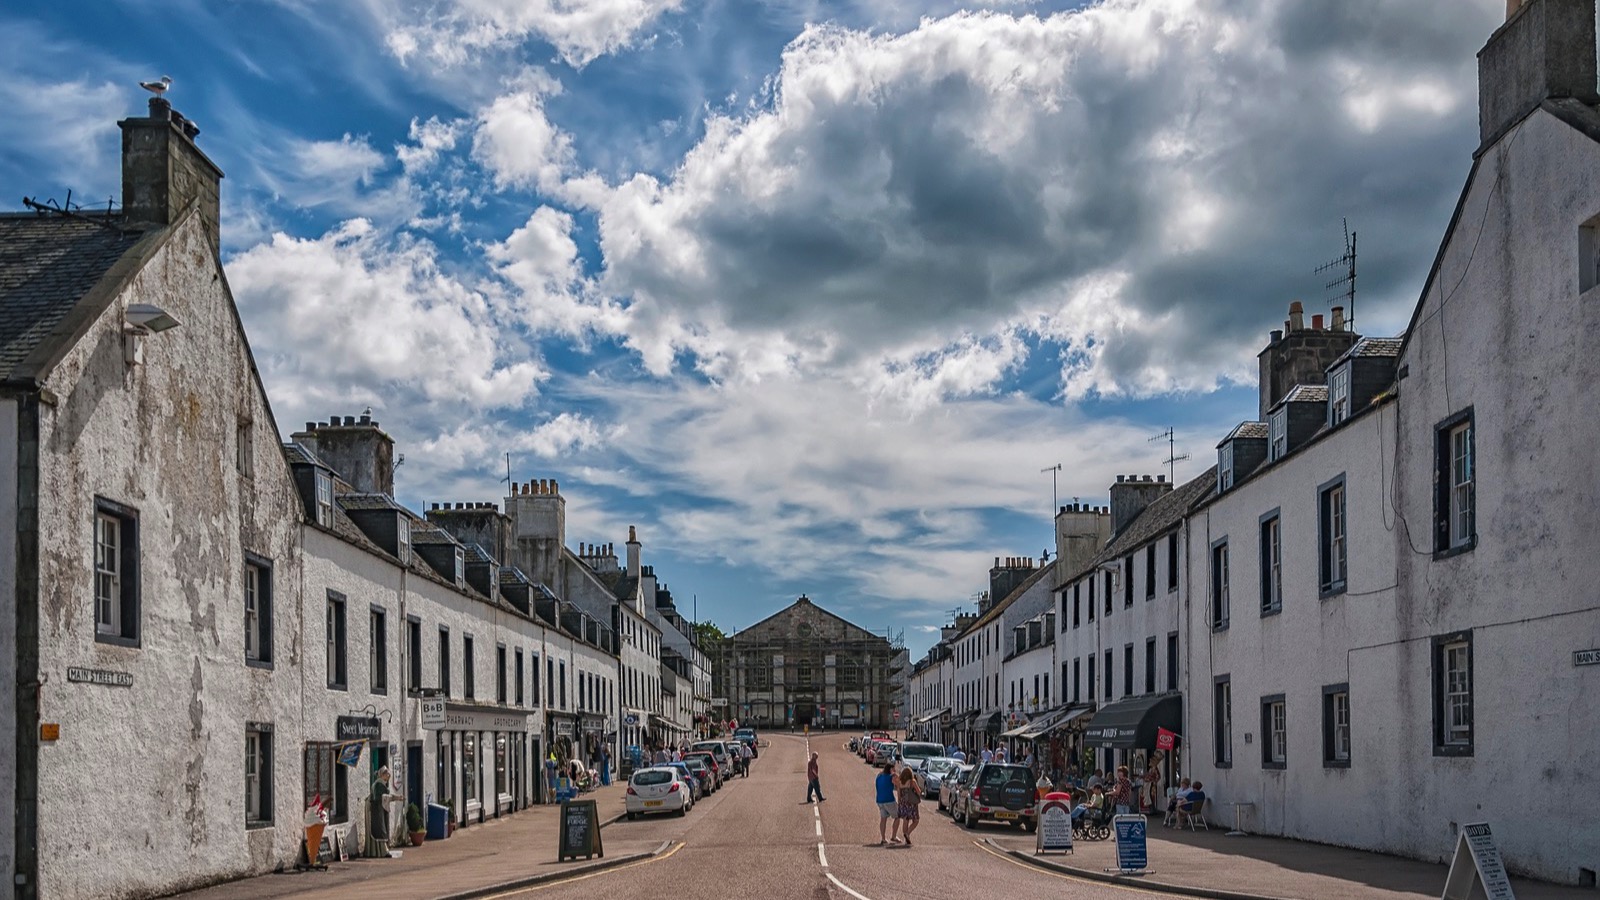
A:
1271, 562
1339, 394
1278, 434
257, 775
116, 573
337, 659
378, 651
1219, 584
461, 566
1225, 466
257, 611
1222, 720
244, 454
1452, 689
1336, 725
1332, 534
324, 499
1274, 732
402, 539
1455, 513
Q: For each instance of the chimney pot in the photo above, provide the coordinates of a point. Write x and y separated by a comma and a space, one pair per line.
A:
1275, 335
349, 420
365, 420
311, 426
1121, 478
1161, 479
1338, 318
1316, 322
1296, 316
554, 488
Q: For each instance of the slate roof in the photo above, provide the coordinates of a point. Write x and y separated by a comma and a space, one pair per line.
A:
426, 534
476, 554
298, 454
47, 264
353, 501
1001, 604
1307, 393
1368, 347
1247, 431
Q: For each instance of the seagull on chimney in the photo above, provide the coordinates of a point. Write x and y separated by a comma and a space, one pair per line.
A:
157, 87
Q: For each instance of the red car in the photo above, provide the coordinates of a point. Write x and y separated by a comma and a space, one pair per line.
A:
711, 762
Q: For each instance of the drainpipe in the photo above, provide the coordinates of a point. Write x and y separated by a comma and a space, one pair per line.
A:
26, 848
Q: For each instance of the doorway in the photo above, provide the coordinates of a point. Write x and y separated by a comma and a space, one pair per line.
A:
414, 773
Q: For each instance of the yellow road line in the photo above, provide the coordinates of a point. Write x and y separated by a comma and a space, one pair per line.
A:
564, 881
1054, 874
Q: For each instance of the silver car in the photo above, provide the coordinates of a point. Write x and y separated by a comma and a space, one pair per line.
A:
933, 771
951, 785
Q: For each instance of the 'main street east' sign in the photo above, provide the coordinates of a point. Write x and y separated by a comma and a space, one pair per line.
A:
100, 676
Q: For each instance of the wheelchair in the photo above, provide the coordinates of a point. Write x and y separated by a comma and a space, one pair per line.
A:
1094, 825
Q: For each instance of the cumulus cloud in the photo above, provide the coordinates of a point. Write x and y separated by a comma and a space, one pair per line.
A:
515, 140
455, 32
357, 317
1147, 183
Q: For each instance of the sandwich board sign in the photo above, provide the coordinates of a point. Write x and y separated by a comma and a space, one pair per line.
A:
580, 831
1055, 828
1130, 834
1477, 864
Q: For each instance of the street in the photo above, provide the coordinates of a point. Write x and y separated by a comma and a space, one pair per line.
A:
758, 838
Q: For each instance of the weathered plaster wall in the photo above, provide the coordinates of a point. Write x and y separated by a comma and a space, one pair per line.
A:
1519, 345
160, 438
8, 630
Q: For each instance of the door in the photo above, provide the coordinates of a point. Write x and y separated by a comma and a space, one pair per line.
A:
414, 773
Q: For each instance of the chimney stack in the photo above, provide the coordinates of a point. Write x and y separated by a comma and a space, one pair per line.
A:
163, 172
362, 454
1545, 50
1298, 356
1130, 496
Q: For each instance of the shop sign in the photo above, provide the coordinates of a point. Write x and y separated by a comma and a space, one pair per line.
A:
630, 719
593, 725
564, 727
1586, 657
1055, 828
358, 728
99, 676
470, 718
1476, 869
433, 716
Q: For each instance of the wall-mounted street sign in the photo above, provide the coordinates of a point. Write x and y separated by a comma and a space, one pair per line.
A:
630, 719
99, 676
1586, 657
1477, 864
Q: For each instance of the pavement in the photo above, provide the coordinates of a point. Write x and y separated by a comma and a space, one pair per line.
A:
757, 837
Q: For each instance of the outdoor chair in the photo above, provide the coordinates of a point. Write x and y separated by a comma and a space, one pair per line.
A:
1195, 817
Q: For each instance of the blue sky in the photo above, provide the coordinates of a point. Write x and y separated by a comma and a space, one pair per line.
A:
810, 292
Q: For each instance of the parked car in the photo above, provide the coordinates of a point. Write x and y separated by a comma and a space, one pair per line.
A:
914, 752
658, 789
718, 773
720, 751
951, 786
933, 771
883, 752
747, 736
700, 767
696, 785
1003, 792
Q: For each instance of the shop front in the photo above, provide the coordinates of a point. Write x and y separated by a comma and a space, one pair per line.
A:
483, 760
591, 737
1129, 733
1050, 737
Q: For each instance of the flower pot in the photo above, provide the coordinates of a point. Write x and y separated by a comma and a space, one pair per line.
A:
417, 837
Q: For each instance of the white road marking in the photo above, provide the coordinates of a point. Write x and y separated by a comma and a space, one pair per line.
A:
821, 855
816, 811
819, 828
846, 888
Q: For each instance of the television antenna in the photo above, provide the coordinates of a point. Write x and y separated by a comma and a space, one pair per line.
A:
1346, 282
1173, 458
1053, 470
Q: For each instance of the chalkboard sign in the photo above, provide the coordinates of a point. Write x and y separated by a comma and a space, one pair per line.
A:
580, 831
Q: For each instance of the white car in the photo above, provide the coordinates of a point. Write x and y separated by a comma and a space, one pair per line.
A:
658, 789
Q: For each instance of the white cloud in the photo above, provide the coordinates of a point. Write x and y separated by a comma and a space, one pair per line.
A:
1148, 183
459, 31
429, 139
517, 143
349, 159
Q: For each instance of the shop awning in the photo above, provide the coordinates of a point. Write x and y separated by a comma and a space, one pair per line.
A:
1132, 723
1017, 731
1046, 724
993, 722
661, 721
921, 720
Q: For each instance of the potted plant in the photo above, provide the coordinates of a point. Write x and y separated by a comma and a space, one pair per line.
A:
450, 818
414, 825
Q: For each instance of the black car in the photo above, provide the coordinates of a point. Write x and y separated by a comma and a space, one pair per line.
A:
1004, 792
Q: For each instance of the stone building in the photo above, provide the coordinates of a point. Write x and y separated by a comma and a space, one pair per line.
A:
806, 666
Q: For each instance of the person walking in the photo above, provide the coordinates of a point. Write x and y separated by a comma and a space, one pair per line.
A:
813, 785
888, 804
745, 754
910, 798
1122, 792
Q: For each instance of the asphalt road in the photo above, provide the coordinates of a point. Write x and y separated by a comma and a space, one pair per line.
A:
758, 838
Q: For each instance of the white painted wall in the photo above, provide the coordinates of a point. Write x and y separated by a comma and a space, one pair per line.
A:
1519, 345
8, 628
1308, 645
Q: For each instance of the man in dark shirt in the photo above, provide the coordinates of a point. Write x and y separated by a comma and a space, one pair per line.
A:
813, 786
1192, 804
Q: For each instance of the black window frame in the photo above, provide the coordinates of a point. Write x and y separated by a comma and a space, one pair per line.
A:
550, 681
1090, 679
1267, 762
1326, 585
1110, 682
520, 665
1150, 665
1077, 680
561, 687
1127, 580
378, 650
414, 654
1270, 584
1222, 721
1109, 600
502, 689
1174, 660
444, 660
1150, 571
129, 576
1221, 605
1330, 759
1127, 669
264, 770
1172, 562
1090, 616
533, 666
1442, 746
469, 675
263, 566
1077, 595
1443, 461
337, 609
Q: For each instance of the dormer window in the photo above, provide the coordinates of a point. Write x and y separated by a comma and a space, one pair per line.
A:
402, 539
1278, 435
324, 499
1225, 466
461, 565
1339, 395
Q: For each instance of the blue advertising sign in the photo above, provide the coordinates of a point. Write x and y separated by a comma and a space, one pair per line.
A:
1130, 842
